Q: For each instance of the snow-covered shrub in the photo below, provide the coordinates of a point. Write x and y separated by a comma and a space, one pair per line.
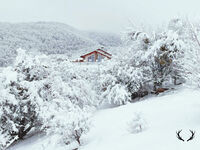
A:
24, 111
77, 129
168, 51
19, 100
120, 81
144, 65
69, 124
68, 98
66, 83
128, 75
112, 88
69, 101
189, 33
40, 93
188, 62
117, 94
137, 124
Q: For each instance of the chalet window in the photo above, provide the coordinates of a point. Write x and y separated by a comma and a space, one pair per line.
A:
100, 57
91, 58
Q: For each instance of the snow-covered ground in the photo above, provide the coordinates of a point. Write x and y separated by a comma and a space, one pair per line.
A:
160, 117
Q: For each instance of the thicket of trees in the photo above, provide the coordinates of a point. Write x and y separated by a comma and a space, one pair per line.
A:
43, 94
153, 62
53, 95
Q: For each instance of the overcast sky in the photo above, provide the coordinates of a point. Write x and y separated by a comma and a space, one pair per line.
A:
103, 15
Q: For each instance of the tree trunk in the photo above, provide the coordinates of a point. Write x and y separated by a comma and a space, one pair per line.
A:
23, 132
175, 79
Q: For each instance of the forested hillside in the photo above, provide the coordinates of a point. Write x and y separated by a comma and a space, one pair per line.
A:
48, 38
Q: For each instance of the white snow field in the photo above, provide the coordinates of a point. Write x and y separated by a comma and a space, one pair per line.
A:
150, 124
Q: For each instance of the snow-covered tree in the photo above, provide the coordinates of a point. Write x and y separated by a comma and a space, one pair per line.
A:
37, 92
188, 32
167, 51
19, 100
127, 75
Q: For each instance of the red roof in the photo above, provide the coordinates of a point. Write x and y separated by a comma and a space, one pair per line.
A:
100, 51
104, 52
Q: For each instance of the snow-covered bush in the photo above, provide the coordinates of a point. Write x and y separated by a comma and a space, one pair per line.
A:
76, 129
189, 33
19, 100
120, 81
137, 124
128, 75
21, 116
113, 90
69, 122
188, 63
147, 64
167, 51
40, 93
70, 100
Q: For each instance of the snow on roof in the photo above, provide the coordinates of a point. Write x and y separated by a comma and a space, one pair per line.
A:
104, 52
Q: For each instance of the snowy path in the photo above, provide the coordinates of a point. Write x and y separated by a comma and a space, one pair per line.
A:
164, 115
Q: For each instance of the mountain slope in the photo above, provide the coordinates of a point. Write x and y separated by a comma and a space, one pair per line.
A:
48, 38
116, 128
45, 37
105, 39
